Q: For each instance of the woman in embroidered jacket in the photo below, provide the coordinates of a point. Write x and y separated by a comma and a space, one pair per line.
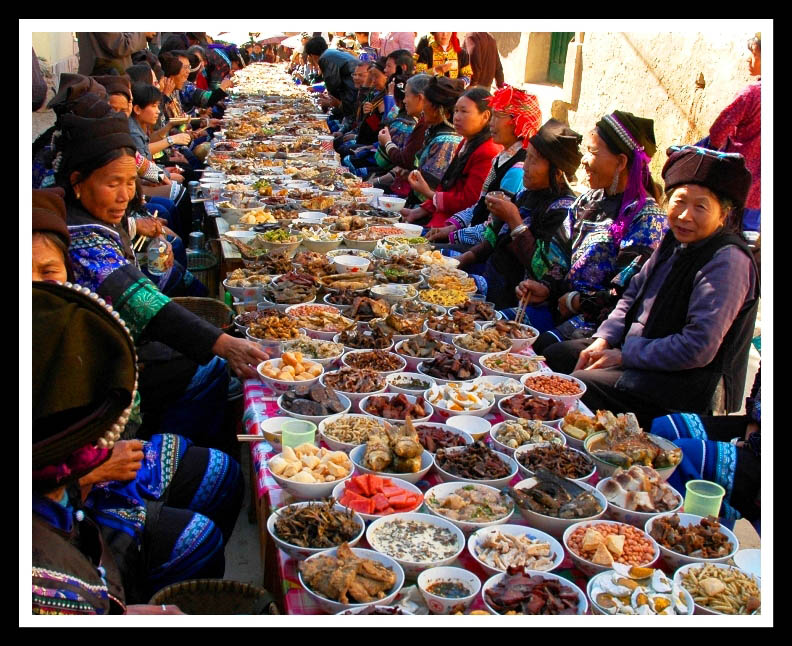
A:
185, 380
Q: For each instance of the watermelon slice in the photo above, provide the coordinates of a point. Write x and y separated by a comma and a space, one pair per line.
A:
352, 485
376, 484
392, 490
363, 506
363, 483
380, 503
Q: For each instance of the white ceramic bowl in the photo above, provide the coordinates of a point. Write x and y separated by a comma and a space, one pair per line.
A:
495, 380
571, 441
242, 236
326, 362
501, 373
589, 568
518, 344
309, 490
390, 203
312, 216
350, 252
506, 415
365, 611
321, 335
448, 337
704, 610
355, 398
442, 413
410, 398
288, 248
498, 483
409, 229
413, 568
335, 607
393, 379
363, 245
412, 362
351, 349
635, 518
316, 419
480, 535
402, 361
557, 526
272, 429
606, 469
350, 264
442, 491
321, 246
239, 292
750, 561
337, 445
282, 307
488, 323
372, 194
596, 609
476, 427
443, 605
465, 436
476, 373
567, 399
527, 473
676, 560
500, 446
393, 293
301, 553
281, 386
338, 493
493, 581
356, 455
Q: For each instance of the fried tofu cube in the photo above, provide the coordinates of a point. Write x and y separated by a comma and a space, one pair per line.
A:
310, 461
591, 540
277, 465
304, 476
602, 556
615, 544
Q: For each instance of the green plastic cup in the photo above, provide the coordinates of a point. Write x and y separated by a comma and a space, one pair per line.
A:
703, 498
298, 432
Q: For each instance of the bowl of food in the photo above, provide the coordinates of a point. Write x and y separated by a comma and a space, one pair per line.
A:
395, 408
596, 545
308, 472
552, 504
410, 230
522, 336
577, 426
314, 576
470, 507
445, 369
638, 494
419, 348
280, 240
377, 610
500, 387
393, 293
549, 411
481, 343
350, 252
372, 194
434, 435
319, 321
346, 431
355, 384
321, 242
448, 590
709, 585
289, 371
364, 338
350, 264
303, 529
610, 453
442, 296
450, 326
361, 240
502, 546
483, 312
416, 541
392, 204
408, 383
247, 287
687, 538
387, 363
313, 403
242, 236
561, 460
459, 398
272, 431
637, 591
374, 496
509, 364
475, 464
516, 593
510, 435
477, 427
364, 460
325, 353
559, 386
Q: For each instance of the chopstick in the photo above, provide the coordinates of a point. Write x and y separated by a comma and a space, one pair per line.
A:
518, 317
251, 438
138, 246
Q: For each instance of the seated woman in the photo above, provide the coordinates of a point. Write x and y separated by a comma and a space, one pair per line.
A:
370, 114
113, 522
441, 54
528, 235
402, 156
184, 382
119, 92
616, 227
515, 118
461, 184
440, 139
726, 449
686, 321
397, 123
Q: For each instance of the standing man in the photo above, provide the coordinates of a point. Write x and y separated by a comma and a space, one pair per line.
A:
101, 51
484, 59
337, 68
389, 41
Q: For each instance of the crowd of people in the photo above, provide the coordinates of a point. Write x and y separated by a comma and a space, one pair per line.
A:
646, 291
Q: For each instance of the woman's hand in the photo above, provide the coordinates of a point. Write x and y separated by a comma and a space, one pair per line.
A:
418, 184
166, 85
368, 107
384, 137
124, 463
226, 83
440, 234
504, 210
411, 215
241, 355
536, 292
565, 311
598, 355
150, 227
445, 67
180, 139
391, 87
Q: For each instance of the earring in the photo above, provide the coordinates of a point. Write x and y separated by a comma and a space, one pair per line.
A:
614, 185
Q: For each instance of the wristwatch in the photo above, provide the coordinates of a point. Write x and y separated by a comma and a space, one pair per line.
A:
169, 140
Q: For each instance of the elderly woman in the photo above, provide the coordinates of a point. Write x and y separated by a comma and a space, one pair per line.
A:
617, 226
685, 323
460, 186
167, 470
515, 118
96, 169
526, 236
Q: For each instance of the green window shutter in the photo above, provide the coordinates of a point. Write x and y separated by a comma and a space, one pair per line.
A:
559, 40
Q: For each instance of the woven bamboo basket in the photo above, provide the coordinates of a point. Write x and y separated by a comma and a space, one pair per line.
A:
209, 309
217, 597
